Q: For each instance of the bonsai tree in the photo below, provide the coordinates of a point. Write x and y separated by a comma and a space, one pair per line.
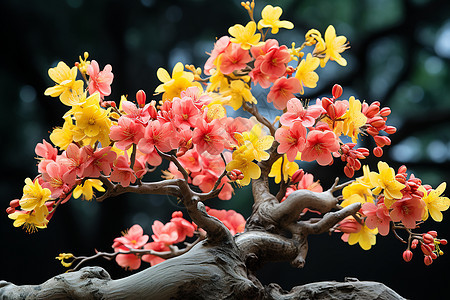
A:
106, 148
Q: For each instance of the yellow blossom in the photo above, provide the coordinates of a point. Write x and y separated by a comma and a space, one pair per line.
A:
93, 122
31, 220
63, 256
218, 81
245, 35
334, 46
33, 195
434, 202
271, 18
67, 86
242, 160
63, 136
385, 181
312, 37
239, 92
366, 237
173, 86
86, 190
356, 192
305, 72
256, 141
287, 170
353, 119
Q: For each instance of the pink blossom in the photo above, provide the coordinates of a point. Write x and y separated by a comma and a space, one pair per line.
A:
99, 81
156, 134
122, 172
185, 113
134, 238
155, 246
264, 80
46, 150
142, 115
57, 178
209, 137
167, 234
282, 91
236, 125
408, 210
99, 161
234, 221
296, 112
319, 146
77, 158
153, 158
206, 181
127, 261
197, 96
234, 58
184, 227
140, 168
263, 49
307, 183
274, 62
190, 161
292, 140
219, 47
126, 133
377, 217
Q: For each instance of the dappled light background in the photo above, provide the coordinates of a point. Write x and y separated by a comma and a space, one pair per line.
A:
400, 53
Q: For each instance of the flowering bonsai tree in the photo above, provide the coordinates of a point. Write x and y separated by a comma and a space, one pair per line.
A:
105, 148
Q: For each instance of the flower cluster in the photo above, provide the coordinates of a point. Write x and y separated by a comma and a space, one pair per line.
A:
135, 244
391, 201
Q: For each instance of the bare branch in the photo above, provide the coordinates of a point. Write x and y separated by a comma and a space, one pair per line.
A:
251, 108
173, 159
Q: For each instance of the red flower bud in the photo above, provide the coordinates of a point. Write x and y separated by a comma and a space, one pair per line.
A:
378, 152
390, 129
372, 131
331, 111
426, 249
10, 210
428, 238
337, 91
140, 98
407, 255
377, 122
382, 141
443, 242
349, 172
414, 243
385, 111
433, 233
177, 214
14, 203
363, 151
428, 260
372, 110
297, 176
290, 70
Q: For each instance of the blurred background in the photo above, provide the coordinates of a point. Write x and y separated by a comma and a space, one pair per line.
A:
400, 56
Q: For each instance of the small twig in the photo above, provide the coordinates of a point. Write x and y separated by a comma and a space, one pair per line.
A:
254, 111
174, 251
173, 159
224, 173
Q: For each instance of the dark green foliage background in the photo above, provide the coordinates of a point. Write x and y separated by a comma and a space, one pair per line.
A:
399, 56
